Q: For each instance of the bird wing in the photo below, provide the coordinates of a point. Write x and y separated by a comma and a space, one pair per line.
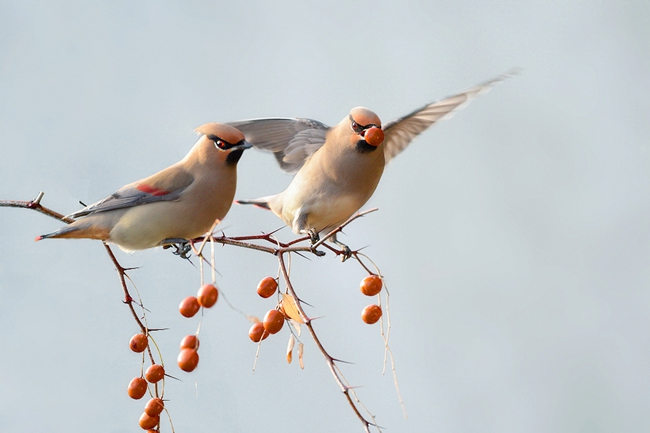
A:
400, 132
292, 141
166, 185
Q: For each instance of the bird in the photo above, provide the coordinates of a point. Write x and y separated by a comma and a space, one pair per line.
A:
337, 169
173, 206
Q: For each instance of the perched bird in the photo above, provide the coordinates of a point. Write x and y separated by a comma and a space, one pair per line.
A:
339, 167
174, 205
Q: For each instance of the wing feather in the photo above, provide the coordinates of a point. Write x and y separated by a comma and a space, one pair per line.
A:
292, 141
169, 185
400, 132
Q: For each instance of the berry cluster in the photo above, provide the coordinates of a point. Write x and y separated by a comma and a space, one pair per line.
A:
274, 319
207, 296
139, 386
371, 286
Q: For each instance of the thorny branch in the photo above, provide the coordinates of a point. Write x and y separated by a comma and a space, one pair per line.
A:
121, 272
286, 248
36, 205
277, 249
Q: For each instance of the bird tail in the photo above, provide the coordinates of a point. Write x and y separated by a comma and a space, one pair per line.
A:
85, 228
259, 202
63, 232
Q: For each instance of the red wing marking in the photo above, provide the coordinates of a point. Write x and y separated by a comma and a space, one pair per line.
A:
151, 190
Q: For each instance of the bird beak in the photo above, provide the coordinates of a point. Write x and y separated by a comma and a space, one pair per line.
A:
244, 145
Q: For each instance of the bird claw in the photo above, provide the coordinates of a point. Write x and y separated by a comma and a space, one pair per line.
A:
313, 236
346, 252
182, 247
317, 252
183, 250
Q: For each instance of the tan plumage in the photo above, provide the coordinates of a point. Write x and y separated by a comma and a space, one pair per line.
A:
334, 183
180, 202
337, 167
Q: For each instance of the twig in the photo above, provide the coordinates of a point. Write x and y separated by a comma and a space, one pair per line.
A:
121, 271
36, 205
328, 358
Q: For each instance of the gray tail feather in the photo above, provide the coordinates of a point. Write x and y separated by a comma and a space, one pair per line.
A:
256, 202
59, 232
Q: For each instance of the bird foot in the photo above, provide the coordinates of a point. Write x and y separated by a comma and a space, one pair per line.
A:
346, 252
313, 236
318, 253
181, 247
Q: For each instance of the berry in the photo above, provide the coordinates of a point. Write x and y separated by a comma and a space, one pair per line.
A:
190, 342
154, 373
374, 136
257, 332
154, 407
273, 321
188, 359
207, 295
267, 287
137, 388
371, 285
148, 422
138, 343
189, 306
371, 314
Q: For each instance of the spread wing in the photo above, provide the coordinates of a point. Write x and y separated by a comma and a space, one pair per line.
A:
166, 185
292, 141
400, 132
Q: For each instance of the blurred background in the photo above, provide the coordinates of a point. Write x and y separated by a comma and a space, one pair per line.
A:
514, 238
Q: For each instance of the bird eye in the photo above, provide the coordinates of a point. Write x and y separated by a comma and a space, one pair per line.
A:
355, 127
220, 144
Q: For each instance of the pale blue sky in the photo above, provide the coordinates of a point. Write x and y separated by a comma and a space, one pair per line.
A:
514, 238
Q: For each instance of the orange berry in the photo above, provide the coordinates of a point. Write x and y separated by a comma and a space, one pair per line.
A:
267, 287
154, 407
189, 306
374, 136
273, 321
207, 295
371, 285
137, 388
257, 332
188, 359
138, 343
190, 342
371, 314
154, 373
148, 422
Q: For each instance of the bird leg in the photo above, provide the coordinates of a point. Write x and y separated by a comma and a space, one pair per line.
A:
182, 246
314, 238
346, 252
313, 235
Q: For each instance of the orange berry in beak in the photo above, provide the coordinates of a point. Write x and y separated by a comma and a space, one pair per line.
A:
374, 136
